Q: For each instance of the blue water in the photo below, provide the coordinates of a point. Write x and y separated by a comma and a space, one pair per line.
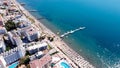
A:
99, 43
14, 65
64, 65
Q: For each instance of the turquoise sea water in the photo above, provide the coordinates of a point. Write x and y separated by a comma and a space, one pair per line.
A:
99, 43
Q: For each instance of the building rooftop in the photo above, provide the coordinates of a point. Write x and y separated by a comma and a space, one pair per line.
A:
2, 62
29, 30
1, 21
2, 30
14, 35
37, 46
1, 27
1, 41
14, 38
37, 55
39, 63
13, 54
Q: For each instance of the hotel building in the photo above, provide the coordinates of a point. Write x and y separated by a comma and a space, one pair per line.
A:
2, 45
37, 47
15, 38
12, 55
30, 32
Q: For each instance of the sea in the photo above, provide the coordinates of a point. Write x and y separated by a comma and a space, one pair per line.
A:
99, 43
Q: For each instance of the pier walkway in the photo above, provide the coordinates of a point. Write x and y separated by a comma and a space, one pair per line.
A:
72, 31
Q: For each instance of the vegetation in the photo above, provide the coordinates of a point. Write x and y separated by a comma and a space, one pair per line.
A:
10, 25
27, 53
49, 47
32, 20
8, 48
54, 53
25, 60
8, 44
3, 7
41, 38
28, 66
51, 39
52, 64
2, 14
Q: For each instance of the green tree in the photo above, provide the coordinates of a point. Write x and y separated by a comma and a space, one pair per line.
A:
10, 25
25, 60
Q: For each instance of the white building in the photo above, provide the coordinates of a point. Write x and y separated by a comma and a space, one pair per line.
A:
37, 55
13, 55
2, 28
2, 62
30, 32
37, 47
15, 38
2, 45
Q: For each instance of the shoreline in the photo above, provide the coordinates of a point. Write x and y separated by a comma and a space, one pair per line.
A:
59, 44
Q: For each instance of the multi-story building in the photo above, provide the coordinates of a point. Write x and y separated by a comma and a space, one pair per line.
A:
44, 62
37, 55
30, 32
22, 24
15, 38
1, 20
37, 47
13, 55
2, 62
2, 28
2, 45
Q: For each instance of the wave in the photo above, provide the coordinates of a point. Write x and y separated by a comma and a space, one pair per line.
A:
109, 61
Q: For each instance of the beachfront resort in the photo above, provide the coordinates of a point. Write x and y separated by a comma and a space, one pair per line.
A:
26, 43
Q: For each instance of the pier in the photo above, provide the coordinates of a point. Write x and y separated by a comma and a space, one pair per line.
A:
22, 4
40, 18
72, 31
32, 10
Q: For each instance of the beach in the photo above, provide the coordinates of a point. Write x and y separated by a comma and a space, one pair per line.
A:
58, 44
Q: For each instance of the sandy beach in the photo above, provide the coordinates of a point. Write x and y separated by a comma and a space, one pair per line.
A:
74, 58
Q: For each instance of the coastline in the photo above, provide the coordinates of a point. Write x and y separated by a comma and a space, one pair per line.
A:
59, 44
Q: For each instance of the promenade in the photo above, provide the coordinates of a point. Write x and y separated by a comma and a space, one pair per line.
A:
77, 60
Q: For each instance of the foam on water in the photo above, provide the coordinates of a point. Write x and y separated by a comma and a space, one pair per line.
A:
111, 61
